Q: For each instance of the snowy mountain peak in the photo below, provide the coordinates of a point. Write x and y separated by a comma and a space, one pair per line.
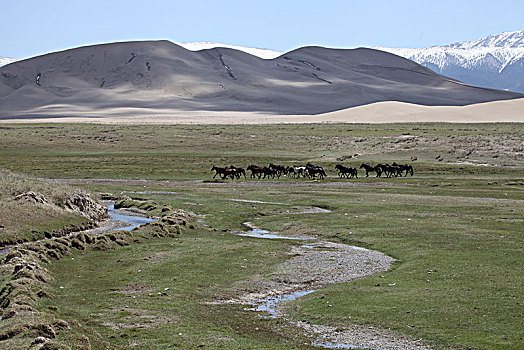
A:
505, 40
5, 60
496, 61
202, 45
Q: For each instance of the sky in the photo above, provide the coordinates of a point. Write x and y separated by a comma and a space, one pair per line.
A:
33, 27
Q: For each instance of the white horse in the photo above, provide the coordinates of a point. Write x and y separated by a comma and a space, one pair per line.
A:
300, 170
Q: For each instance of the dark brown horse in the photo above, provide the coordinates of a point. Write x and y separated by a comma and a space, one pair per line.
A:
224, 172
372, 169
218, 170
239, 171
346, 171
271, 172
256, 171
314, 170
279, 168
390, 170
405, 167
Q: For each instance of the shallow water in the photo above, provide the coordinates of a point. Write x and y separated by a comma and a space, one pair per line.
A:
359, 248
5, 251
269, 304
131, 220
126, 223
259, 233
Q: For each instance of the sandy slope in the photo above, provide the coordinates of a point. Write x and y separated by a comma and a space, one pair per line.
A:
381, 112
159, 77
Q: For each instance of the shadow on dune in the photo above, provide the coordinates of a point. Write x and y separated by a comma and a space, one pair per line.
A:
164, 76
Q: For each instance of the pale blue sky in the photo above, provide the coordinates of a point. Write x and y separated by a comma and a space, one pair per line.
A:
33, 27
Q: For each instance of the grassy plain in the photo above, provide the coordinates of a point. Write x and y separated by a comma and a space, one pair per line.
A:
23, 220
456, 229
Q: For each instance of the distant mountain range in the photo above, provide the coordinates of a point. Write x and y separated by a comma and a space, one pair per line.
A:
496, 61
163, 76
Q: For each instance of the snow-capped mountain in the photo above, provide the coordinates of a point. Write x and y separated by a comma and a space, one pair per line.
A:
202, 45
160, 75
5, 60
506, 39
496, 61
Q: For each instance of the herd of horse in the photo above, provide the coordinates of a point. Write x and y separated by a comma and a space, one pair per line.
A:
310, 171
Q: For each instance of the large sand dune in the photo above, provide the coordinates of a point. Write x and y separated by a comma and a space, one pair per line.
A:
161, 79
380, 112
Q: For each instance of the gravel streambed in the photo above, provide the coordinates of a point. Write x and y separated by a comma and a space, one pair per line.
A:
312, 266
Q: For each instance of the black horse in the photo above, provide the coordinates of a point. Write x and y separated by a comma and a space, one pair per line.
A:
314, 170
256, 171
405, 167
387, 169
279, 168
218, 170
370, 169
239, 171
391, 170
270, 172
224, 172
346, 171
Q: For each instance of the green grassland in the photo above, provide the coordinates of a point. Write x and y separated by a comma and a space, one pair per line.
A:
23, 221
455, 228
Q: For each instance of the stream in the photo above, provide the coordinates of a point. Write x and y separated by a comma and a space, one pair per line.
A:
269, 305
119, 219
130, 221
125, 219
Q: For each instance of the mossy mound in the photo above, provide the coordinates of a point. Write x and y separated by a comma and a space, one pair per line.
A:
148, 206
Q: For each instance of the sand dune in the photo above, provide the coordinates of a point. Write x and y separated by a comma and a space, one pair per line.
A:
380, 112
160, 78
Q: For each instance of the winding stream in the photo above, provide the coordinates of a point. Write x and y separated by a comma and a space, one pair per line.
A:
130, 221
118, 220
260, 233
269, 305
